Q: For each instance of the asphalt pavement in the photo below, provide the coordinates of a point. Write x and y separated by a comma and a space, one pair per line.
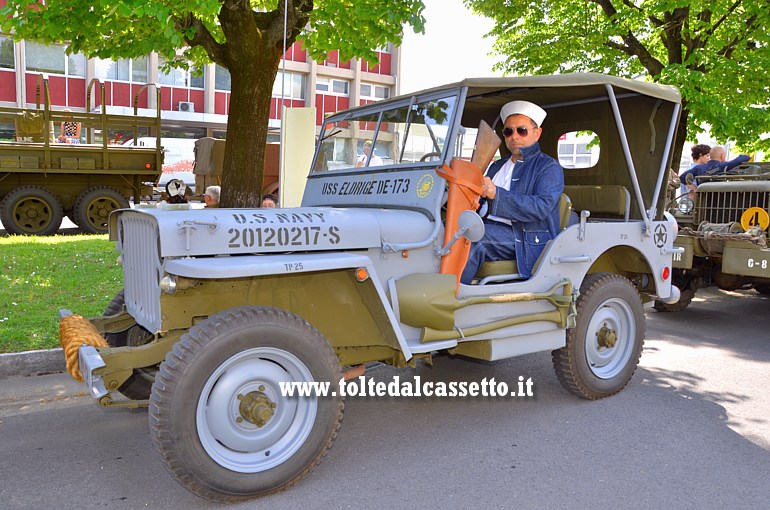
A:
691, 430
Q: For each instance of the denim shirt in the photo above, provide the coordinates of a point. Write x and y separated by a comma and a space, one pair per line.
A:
532, 203
713, 167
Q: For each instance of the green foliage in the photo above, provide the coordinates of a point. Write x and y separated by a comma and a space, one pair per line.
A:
716, 52
40, 275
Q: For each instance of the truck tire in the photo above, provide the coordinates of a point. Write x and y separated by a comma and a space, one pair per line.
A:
763, 289
31, 210
604, 347
93, 207
679, 306
217, 416
139, 385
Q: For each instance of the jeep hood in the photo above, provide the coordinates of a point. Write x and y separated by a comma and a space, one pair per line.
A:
205, 232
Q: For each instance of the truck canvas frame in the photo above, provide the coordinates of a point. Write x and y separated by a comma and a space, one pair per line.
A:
221, 306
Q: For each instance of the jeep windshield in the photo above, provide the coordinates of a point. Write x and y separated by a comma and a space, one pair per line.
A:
404, 133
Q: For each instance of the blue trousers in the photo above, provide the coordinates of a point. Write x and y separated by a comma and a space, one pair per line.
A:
497, 244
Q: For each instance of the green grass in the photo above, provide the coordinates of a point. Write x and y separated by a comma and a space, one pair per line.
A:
40, 275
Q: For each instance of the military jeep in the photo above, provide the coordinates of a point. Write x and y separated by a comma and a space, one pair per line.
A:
723, 232
221, 306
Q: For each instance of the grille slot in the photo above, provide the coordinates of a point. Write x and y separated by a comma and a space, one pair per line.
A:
139, 236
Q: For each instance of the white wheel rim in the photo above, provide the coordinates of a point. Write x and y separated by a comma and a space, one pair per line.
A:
238, 444
607, 362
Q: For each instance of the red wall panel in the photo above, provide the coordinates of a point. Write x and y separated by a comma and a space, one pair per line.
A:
76, 92
7, 84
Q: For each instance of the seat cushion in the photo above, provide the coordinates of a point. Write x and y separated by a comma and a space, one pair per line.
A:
497, 267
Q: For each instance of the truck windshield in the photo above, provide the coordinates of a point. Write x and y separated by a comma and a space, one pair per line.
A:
399, 134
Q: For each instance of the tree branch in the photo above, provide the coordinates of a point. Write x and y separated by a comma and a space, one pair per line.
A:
632, 46
202, 38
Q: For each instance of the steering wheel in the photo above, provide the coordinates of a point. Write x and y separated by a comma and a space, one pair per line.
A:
429, 156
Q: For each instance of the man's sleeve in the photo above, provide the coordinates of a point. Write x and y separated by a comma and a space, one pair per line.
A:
727, 165
515, 206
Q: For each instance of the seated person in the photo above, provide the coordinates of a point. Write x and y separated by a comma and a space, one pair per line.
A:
211, 196
716, 165
269, 201
176, 189
375, 160
522, 196
69, 132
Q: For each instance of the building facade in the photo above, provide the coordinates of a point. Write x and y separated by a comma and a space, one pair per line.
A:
194, 104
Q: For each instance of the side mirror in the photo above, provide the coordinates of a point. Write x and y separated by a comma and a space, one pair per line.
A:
689, 179
471, 226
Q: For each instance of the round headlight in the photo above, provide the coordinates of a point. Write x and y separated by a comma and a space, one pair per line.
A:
168, 284
685, 205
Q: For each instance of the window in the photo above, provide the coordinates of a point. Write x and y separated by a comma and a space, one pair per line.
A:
178, 77
130, 70
222, 78
405, 134
374, 92
333, 86
52, 59
293, 85
7, 59
578, 149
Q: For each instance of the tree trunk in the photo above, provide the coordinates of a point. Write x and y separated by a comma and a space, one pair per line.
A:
247, 131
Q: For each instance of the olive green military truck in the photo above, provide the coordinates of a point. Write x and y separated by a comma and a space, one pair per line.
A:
223, 308
46, 174
723, 232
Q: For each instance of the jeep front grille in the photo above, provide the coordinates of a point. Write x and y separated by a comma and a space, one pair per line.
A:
140, 247
719, 206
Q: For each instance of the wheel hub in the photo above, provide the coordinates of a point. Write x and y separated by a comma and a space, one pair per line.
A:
606, 337
256, 408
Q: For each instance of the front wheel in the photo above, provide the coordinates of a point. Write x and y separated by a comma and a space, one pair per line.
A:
217, 414
604, 347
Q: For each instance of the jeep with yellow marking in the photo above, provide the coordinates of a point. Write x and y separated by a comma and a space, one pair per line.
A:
724, 231
222, 306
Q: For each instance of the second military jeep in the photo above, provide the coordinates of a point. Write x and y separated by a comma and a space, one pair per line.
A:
723, 234
222, 306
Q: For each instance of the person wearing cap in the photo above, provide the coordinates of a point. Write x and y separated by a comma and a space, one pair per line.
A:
520, 196
211, 196
375, 160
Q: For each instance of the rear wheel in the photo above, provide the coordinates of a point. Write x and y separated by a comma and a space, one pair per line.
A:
139, 385
604, 347
93, 207
31, 210
217, 415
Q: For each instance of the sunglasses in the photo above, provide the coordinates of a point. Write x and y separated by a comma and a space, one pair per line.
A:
521, 130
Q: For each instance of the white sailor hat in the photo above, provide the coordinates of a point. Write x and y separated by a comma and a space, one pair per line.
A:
531, 110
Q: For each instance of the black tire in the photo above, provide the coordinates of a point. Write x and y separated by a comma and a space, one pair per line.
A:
93, 207
139, 385
587, 366
763, 289
31, 210
679, 306
208, 443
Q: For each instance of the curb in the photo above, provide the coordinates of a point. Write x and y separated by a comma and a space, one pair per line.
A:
23, 364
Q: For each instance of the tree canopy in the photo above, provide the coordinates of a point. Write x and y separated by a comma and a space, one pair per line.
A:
717, 52
244, 36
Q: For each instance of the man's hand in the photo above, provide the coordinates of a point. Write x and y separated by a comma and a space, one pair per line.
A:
489, 190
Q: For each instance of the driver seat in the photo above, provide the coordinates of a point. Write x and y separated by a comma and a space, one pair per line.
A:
504, 270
